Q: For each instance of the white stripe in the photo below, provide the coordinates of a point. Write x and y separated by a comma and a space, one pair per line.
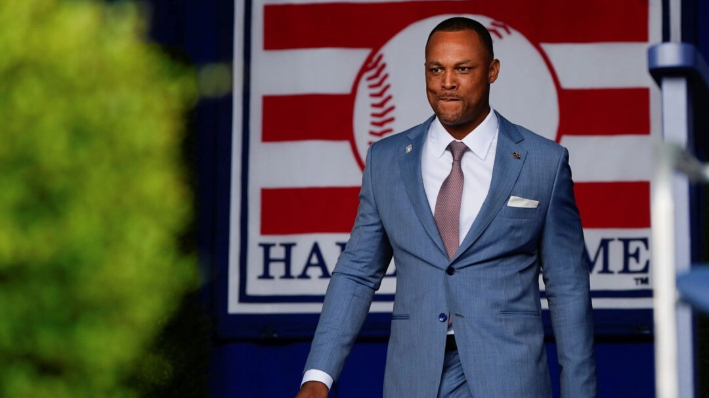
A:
305, 164
617, 303
610, 158
319, 71
600, 65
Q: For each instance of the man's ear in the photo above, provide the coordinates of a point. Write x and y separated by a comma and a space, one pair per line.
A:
494, 71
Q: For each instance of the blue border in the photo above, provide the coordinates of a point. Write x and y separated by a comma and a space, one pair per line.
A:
245, 145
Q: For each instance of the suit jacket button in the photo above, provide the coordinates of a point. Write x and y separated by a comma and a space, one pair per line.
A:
450, 271
442, 317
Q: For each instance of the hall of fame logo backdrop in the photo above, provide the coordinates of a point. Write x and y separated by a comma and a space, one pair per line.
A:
322, 81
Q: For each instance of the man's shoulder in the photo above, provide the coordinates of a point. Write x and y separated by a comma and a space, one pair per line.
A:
530, 138
404, 137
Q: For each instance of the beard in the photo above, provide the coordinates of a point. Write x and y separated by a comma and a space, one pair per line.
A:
451, 113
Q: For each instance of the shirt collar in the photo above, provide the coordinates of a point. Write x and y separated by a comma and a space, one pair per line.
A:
478, 140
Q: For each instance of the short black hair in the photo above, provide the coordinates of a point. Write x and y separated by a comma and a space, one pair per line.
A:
456, 24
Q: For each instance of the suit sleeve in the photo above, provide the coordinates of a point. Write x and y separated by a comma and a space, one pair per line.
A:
357, 275
566, 278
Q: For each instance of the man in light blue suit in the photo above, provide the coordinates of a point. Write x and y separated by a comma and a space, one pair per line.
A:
472, 208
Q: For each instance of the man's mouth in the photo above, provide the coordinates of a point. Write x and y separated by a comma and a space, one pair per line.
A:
449, 98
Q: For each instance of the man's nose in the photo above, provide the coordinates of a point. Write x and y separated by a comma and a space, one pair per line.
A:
449, 81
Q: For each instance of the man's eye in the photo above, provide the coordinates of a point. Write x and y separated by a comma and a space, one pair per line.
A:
464, 68
435, 70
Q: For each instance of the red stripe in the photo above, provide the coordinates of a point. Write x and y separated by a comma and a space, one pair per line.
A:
564, 21
604, 111
614, 204
287, 211
369, 25
307, 117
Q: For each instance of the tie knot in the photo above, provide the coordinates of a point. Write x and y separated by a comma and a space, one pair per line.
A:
457, 148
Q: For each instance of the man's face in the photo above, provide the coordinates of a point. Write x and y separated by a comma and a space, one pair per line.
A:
458, 75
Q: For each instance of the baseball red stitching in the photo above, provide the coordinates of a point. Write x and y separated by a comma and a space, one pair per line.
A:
378, 84
493, 28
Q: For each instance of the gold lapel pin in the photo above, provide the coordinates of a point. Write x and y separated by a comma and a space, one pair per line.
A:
516, 155
409, 148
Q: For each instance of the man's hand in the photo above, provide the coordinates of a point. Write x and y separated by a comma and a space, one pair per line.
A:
313, 389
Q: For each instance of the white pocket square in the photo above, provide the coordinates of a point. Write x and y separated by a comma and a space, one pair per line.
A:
516, 201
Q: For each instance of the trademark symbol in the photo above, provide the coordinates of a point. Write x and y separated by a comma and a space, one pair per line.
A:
642, 280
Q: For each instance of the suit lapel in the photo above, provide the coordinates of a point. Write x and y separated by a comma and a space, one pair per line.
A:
504, 175
410, 163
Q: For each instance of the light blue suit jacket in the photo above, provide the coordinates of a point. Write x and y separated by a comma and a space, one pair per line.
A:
493, 296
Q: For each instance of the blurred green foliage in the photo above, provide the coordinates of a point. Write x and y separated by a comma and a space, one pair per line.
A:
92, 197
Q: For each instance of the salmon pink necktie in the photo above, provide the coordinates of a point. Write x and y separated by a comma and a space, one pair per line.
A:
447, 213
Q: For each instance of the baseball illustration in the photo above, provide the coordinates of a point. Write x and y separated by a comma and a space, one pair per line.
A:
390, 94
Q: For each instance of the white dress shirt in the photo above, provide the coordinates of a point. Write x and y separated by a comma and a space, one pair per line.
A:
436, 164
